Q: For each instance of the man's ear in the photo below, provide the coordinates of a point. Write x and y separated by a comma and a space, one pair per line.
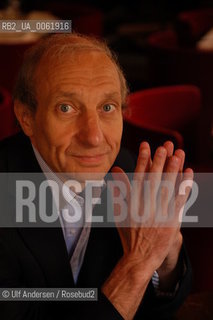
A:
24, 116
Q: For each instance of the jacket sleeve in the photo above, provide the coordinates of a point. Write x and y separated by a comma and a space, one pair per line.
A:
164, 307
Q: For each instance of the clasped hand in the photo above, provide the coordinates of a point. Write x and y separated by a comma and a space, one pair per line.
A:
156, 239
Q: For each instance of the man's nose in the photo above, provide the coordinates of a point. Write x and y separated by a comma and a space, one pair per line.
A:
91, 130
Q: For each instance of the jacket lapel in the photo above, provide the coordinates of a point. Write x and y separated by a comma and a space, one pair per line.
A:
48, 247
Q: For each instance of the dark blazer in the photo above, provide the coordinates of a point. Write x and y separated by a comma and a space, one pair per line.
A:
37, 257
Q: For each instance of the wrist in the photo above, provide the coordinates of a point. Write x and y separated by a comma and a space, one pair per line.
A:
126, 285
169, 275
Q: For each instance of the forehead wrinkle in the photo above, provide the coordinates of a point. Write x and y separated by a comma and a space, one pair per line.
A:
73, 86
78, 81
71, 95
86, 76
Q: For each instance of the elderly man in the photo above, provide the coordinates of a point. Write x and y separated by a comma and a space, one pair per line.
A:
68, 101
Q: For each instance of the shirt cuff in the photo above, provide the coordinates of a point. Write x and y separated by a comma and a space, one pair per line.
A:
166, 294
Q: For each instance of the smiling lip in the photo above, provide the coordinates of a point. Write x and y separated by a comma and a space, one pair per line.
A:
91, 158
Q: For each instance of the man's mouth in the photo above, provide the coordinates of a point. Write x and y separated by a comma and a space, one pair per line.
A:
96, 158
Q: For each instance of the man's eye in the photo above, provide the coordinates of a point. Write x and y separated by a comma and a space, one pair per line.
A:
108, 107
65, 108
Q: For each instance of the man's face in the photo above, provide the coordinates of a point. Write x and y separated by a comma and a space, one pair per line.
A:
77, 126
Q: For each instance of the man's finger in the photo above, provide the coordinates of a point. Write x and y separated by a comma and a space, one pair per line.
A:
143, 158
184, 191
169, 146
181, 155
143, 165
167, 187
156, 169
159, 160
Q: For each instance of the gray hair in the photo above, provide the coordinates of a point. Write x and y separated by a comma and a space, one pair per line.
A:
54, 47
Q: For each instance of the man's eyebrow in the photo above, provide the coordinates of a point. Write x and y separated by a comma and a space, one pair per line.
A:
62, 94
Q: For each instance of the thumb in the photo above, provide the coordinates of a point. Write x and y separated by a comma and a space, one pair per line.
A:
120, 186
119, 175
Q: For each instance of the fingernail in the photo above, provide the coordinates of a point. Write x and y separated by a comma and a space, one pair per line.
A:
144, 153
175, 160
161, 151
